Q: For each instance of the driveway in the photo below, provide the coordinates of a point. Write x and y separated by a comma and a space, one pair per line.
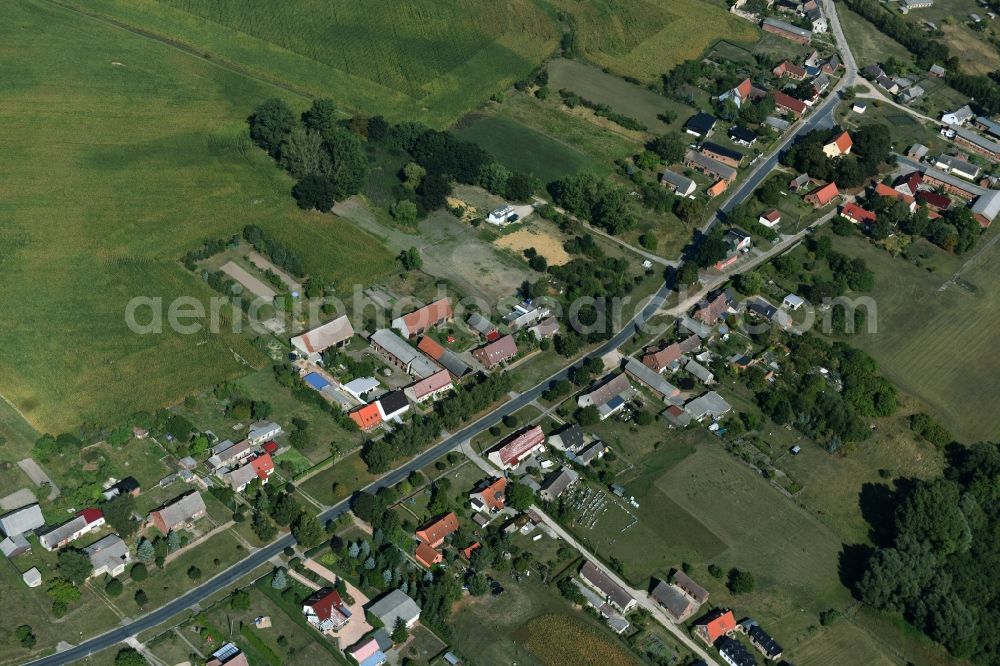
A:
38, 475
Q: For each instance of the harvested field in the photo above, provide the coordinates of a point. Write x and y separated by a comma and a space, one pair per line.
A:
548, 246
562, 639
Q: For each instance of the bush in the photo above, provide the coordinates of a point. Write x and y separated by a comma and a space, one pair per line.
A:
114, 587
740, 582
139, 572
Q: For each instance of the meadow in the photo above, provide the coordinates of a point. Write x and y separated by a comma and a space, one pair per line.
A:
936, 331
122, 154
428, 60
644, 39
559, 639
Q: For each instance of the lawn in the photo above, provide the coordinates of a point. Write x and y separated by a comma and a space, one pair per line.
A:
868, 44
522, 148
148, 147
430, 60
645, 39
338, 481
921, 310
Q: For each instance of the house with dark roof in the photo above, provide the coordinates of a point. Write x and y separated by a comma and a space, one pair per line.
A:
613, 593
392, 404
481, 324
651, 380
680, 185
733, 652
399, 353
760, 639
742, 136
709, 166
557, 483
128, 486
569, 438
423, 319
606, 397
722, 154
677, 605
700, 125
687, 584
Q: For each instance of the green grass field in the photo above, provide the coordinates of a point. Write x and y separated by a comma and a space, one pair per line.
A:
935, 335
122, 154
645, 39
524, 149
429, 60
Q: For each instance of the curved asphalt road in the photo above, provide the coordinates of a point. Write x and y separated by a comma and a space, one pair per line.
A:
821, 117
230, 576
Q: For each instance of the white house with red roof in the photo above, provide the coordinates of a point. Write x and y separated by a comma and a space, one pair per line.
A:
84, 522
510, 453
857, 214
771, 218
739, 94
325, 610
489, 496
839, 146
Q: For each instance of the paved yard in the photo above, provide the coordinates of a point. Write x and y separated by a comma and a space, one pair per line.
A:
17, 499
38, 475
357, 627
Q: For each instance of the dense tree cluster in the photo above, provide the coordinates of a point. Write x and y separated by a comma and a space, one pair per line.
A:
816, 403
939, 552
282, 256
872, 148
594, 199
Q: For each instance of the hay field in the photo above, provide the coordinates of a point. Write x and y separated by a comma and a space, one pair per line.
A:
428, 60
121, 153
646, 38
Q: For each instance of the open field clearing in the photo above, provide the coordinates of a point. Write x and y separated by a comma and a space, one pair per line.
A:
645, 39
935, 333
122, 154
547, 245
626, 98
430, 60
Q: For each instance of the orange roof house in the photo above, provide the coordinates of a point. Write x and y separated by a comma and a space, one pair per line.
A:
470, 549
715, 625
263, 465
366, 416
717, 189
883, 190
433, 533
427, 556
839, 146
425, 318
789, 69
857, 214
822, 195
490, 496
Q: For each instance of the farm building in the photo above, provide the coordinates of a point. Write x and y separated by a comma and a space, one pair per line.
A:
419, 321
446, 358
262, 431
790, 70
738, 94
682, 186
32, 577
313, 343
516, 448
21, 521
956, 166
13, 546
613, 593
786, 30
360, 386
397, 352
722, 154
986, 207
977, 143
788, 103
395, 605
569, 438
651, 379
227, 453
557, 483
677, 605
709, 166
710, 404
481, 324
700, 372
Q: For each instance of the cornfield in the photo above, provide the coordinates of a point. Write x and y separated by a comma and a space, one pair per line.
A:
561, 639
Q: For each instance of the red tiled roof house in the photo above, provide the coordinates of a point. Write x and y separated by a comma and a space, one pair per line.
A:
430, 316
822, 195
496, 352
715, 625
434, 533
